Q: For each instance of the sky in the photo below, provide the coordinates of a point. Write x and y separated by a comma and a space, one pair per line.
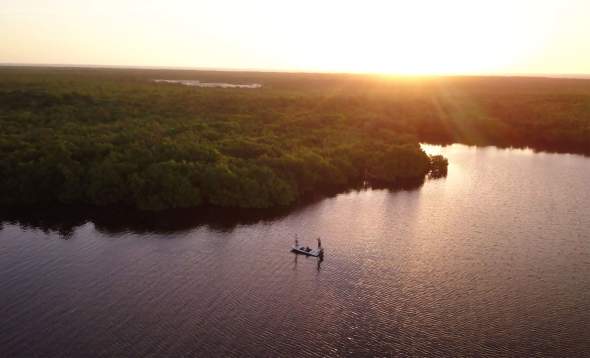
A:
393, 37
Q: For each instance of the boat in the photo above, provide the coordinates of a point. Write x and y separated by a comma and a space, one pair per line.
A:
308, 251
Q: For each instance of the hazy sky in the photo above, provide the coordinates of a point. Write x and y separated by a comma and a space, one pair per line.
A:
438, 36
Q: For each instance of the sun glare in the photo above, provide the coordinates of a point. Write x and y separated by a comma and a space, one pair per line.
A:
419, 38
397, 37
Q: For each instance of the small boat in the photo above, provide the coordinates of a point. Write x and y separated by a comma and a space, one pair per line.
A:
308, 251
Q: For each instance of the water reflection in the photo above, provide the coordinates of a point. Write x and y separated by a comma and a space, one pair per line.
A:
531, 147
490, 261
197, 83
318, 260
116, 220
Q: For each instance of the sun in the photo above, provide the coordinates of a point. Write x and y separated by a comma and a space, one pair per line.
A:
412, 37
377, 36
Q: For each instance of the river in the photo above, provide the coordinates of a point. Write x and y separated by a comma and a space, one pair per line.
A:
492, 260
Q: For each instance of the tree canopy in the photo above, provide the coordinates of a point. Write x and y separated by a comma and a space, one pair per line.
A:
106, 137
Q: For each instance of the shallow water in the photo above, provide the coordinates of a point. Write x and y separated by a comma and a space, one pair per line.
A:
493, 260
196, 83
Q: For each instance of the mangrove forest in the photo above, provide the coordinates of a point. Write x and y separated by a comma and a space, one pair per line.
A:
105, 137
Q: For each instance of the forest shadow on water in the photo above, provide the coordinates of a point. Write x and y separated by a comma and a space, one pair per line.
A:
122, 220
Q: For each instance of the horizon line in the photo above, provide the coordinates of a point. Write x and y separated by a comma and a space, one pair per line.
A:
276, 70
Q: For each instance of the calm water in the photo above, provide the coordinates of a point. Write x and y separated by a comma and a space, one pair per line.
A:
493, 260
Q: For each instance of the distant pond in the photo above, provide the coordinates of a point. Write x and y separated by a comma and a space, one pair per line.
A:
492, 260
197, 83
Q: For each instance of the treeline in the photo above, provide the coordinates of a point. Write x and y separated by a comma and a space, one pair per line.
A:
156, 147
106, 137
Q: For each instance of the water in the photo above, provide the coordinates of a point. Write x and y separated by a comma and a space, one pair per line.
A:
493, 260
196, 83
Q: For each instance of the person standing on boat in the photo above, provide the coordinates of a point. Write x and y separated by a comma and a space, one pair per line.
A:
296, 241
319, 243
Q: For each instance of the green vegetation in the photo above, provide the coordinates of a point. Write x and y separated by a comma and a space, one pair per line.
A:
105, 137
438, 166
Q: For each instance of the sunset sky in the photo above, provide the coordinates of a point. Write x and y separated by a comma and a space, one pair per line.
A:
398, 37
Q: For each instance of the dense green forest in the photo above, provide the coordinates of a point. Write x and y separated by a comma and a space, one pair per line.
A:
115, 137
